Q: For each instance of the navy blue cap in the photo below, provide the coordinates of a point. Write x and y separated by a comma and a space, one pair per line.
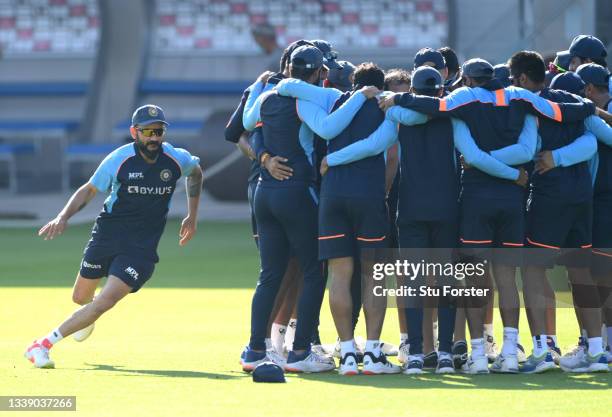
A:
593, 74
429, 55
502, 73
568, 81
147, 114
563, 59
426, 78
477, 67
329, 55
307, 56
587, 46
268, 372
340, 77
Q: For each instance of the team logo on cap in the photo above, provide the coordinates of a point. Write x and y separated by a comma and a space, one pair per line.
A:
153, 111
165, 175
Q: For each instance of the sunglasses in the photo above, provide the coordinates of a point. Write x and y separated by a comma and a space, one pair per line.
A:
147, 133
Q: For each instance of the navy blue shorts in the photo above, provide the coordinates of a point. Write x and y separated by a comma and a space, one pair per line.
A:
492, 223
429, 234
556, 229
601, 259
99, 262
347, 225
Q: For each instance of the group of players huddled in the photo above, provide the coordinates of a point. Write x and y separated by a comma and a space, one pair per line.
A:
350, 160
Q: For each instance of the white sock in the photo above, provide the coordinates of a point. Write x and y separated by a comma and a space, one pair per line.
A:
595, 346
290, 334
510, 341
478, 347
373, 346
268, 343
278, 336
553, 337
54, 337
403, 338
488, 329
609, 331
348, 346
539, 345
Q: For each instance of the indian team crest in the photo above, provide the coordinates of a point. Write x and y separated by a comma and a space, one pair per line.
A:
153, 112
165, 175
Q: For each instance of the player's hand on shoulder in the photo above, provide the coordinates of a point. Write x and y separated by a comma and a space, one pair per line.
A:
188, 229
369, 91
264, 77
54, 228
386, 102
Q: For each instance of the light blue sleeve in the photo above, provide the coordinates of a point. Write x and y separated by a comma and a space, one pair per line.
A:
381, 139
106, 173
581, 149
405, 116
328, 126
250, 115
324, 97
473, 155
525, 148
186, 161
601, 130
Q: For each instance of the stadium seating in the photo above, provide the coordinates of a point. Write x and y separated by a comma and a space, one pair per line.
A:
49, 26
9, 154
212, 25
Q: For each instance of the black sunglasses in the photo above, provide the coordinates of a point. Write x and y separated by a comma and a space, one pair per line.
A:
147, 133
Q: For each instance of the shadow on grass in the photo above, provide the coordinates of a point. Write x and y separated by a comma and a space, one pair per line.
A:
161, 372
551, 381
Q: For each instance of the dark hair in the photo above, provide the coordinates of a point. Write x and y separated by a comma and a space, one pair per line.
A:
303, 74
452, 62
286, 57
368, 73
529, 63
481, 80
397, 76
432, 92
598, 61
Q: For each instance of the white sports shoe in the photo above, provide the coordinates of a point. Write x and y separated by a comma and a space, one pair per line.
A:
573, 358
373, 365
38, 354
311, 363
597, 363
348, 365
403, 353
505, 364
320, 350
276, 357
478, 365
83, 334
388, 349
414, 365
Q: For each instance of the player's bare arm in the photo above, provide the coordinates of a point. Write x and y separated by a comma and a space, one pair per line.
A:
193, 185
245, 147
76, 203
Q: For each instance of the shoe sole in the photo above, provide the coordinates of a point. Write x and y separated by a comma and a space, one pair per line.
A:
379, 373
48, 365
419, 372
445, 371
504, 371
539, 371
348, 373
600, 368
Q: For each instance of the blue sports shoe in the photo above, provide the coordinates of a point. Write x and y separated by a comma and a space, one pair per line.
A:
537, 365
249, 359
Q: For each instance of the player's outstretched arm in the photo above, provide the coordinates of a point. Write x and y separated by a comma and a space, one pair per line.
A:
193, 185
79, 199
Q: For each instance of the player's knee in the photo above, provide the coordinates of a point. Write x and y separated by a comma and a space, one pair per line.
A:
80, 298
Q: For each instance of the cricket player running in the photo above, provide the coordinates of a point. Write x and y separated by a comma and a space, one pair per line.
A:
141, 178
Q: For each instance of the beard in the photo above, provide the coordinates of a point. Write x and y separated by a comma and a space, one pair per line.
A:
148, 150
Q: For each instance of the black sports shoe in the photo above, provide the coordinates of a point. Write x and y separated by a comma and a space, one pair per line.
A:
430, 360
445, 364
414, 365
460, 354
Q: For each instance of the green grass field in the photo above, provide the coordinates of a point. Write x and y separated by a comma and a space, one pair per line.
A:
172, 349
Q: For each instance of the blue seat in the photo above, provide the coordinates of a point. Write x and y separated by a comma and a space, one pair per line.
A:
8, 153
